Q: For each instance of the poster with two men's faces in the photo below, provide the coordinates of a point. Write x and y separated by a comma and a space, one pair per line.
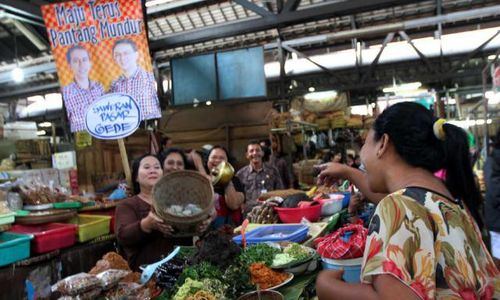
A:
100, 47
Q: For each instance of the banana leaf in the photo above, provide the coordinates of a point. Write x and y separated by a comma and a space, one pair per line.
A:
295, 289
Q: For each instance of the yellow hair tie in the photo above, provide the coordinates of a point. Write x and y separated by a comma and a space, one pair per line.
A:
438, 129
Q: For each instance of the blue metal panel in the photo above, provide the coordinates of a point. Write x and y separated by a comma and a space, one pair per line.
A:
241, 73
194, 78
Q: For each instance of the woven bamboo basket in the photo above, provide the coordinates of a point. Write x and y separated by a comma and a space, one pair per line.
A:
182, 188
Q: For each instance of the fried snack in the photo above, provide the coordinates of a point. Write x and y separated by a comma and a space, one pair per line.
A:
110, 260
266, 277
201, 295
132, 277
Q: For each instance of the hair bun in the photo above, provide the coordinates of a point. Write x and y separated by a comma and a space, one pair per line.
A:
437, 127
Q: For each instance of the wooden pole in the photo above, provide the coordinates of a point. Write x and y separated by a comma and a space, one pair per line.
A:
126, 167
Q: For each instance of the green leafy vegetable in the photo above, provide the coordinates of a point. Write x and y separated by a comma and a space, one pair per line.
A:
201, 271
238, 280
188, 288
258, 253
297, 251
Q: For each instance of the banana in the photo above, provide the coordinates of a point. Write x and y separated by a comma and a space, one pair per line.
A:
311, 192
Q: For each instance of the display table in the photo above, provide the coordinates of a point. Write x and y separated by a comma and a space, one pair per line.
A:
40, 272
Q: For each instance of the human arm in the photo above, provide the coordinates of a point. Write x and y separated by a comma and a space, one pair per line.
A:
329, 286
131, 230
330, 172
198, 162
233, 194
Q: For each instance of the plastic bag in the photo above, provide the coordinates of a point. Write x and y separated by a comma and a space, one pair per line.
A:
347, 242
90, 295
76, 284
130, 290
110, 278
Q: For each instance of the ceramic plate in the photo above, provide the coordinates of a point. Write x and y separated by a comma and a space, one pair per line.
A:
290, 277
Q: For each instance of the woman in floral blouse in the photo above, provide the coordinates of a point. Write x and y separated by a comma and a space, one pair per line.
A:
423, 241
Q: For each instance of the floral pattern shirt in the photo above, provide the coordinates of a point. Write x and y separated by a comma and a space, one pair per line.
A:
432, 245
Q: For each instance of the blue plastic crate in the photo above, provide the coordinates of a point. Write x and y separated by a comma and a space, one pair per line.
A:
275, 233
14, 247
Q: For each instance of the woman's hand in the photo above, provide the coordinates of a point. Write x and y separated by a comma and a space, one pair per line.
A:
205, 224
331, 172
355, 203
153, 222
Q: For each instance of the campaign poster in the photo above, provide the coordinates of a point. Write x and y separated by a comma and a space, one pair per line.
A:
100, 47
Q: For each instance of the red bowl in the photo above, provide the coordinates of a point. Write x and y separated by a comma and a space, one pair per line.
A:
295, 215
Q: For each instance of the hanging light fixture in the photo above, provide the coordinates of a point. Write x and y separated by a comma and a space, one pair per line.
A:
17, 73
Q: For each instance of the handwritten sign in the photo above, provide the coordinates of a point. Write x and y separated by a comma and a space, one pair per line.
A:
64, 160
113, 116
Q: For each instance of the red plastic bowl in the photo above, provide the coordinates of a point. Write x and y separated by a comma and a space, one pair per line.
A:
295, 215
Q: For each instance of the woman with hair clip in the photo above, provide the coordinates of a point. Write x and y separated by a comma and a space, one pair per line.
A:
423, 242
144, 237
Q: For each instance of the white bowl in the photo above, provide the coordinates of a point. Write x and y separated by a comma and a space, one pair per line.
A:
330, 206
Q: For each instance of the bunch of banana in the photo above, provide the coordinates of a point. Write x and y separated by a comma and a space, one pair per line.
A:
263, 214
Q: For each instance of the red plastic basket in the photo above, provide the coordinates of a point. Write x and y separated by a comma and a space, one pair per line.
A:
48, 237
295, 215
105, 212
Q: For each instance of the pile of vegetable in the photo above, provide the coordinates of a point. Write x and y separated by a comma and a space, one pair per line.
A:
291, 253
219, 269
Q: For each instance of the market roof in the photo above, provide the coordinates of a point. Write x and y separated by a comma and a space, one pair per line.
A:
186, 27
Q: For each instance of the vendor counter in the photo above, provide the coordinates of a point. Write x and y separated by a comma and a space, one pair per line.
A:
34, 276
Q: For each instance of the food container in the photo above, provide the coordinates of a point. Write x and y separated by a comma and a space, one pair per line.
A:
91, 227
302, 268
181, 188
264, 295
14, 247
7, 218
295, 215
49, 237
332, 205
346, 198
105, 212
67, 205
352, 267
275, 233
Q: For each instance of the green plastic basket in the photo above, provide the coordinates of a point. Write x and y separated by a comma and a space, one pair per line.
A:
90, 226
67, 205
14, 247
7, 218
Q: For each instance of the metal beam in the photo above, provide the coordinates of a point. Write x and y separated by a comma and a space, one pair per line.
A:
302, 55
314, 13
392, 27
171, 6
32, 35
476, 51
22, 91
254, 7
420, 54
29, 71
374, 63
291, 5
24, 8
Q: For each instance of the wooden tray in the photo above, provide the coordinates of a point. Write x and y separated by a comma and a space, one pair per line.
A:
46, 217
5, 227
100, 206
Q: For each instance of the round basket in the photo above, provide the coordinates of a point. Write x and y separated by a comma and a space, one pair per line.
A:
182, 188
